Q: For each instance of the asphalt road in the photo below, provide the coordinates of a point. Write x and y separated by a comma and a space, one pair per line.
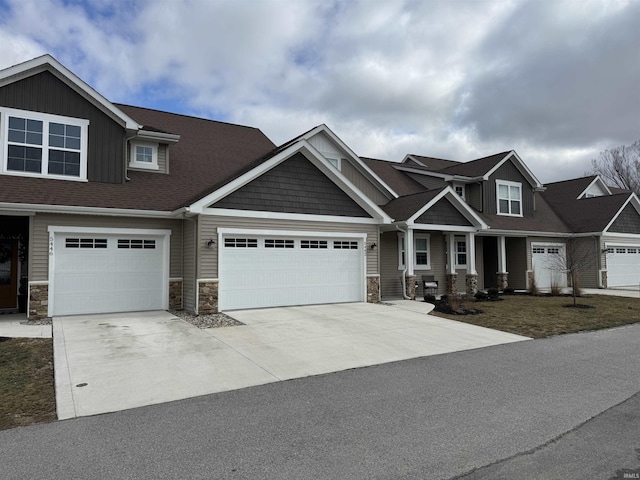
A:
434, 417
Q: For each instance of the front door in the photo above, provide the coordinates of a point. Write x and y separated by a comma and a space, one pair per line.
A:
8, 273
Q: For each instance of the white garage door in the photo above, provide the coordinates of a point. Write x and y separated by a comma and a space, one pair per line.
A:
102, 273
269, 271
548, 265
623, 266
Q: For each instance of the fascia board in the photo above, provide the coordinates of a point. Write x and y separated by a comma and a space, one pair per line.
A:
158, 136
22, 69
460, 204
118, 212
227, 212
404, 168
601, 184
413, 159
634, 201
523, 233
304, 147
520, 165
354, 158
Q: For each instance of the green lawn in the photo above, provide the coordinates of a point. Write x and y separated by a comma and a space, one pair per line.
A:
542, 316
27, 393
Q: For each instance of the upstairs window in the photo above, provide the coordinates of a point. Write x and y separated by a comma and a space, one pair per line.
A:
144, 155
509, 198
39, 144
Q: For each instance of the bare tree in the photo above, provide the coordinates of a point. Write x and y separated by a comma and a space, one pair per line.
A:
620, 167
578, 256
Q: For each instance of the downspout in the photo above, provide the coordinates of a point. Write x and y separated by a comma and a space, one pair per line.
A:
126, 162
404, 272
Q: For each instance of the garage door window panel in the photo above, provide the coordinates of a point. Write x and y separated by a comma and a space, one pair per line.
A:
241, 242
278, 243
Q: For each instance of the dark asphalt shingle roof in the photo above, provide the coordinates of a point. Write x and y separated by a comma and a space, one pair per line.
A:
398, 181
433, 164
207, 155
402, 208
475, 168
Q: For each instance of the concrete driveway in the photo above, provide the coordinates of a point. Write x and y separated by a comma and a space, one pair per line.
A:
107, 363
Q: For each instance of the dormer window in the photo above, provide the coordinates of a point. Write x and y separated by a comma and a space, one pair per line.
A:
509, 198
459, 189
335, 162
144, 155
43, 145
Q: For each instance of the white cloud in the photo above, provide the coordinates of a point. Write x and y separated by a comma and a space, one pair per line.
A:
557, 81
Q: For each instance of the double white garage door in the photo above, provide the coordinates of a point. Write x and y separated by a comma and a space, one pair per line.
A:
99, 272
278, 270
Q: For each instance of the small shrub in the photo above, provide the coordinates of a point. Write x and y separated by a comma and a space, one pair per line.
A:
533, 286
481, 296
508, 291
429, 298
493, 292
556, 290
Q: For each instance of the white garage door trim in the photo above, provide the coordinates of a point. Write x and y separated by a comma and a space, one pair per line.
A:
628, 262
545, 279
224, 303
56, 231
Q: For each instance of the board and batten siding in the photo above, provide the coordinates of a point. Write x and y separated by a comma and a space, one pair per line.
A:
473, 195
509, 172
209, 224
39, 236
45, 93
189, 264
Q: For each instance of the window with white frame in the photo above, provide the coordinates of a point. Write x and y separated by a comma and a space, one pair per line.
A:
422, 252
39, 144
461, 252
459, 189
335, 162
144, 155
509, 198
402, 251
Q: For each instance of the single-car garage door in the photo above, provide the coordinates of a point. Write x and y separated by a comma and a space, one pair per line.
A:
623, 266
549, 265
279, 270
96, 272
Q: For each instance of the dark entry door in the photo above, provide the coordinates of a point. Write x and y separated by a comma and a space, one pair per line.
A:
8, 273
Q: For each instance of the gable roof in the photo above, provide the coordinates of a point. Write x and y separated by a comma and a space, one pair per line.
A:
431, 163
208, 153
48, 63
401, 183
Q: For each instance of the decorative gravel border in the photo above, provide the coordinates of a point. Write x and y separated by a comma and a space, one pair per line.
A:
215, 320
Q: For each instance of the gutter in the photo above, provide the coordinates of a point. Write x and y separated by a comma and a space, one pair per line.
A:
30, 207
404, 272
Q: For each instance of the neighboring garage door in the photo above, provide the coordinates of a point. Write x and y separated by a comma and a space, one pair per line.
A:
548, 265
95, 272
623, 266
279, 270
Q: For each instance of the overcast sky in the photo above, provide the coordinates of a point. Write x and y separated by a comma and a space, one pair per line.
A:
557, 81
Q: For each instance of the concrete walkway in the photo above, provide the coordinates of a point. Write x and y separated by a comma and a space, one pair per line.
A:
106, 363
11, 327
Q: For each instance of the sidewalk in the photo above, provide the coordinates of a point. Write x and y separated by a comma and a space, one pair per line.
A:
11, 327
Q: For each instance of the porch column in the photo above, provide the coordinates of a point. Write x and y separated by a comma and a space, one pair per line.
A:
502, 274
452, 277
471, 280
410, 286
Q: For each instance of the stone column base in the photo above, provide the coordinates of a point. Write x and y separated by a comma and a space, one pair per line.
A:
503, 280
175, 294
603, 278
38, 301
452, 284
471, 281
207, 297
411, 286
373, 289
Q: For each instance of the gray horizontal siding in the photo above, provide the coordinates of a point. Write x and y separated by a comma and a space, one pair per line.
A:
294, 186
208, 264
39, 266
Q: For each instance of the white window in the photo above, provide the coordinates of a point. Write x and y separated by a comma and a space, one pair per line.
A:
422, 252
144, 155
334, 161
509, 198
459, 190
39, 144
461, 252
402, 251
